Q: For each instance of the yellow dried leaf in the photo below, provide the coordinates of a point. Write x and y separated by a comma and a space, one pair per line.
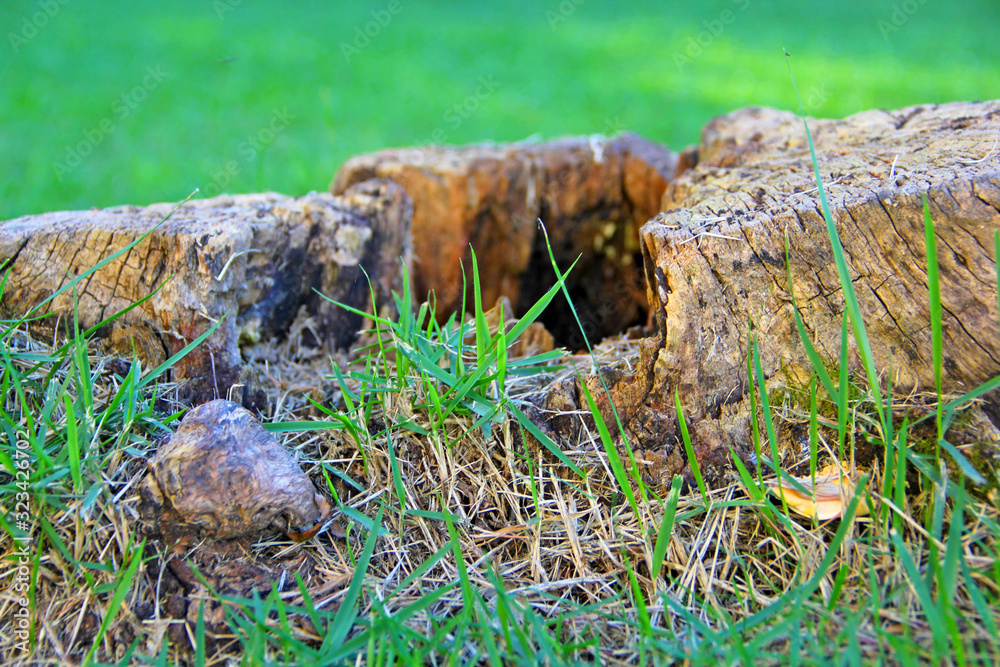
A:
831, 494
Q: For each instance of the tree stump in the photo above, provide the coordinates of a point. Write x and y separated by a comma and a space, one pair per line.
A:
254, 261
593, 194
715, 266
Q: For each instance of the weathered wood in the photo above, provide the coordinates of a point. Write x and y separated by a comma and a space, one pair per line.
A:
755, 184
222, 476
254, 261
593, 194
715, 265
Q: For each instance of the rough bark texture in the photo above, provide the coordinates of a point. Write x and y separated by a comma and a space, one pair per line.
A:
753, 183
592, 193
254, 260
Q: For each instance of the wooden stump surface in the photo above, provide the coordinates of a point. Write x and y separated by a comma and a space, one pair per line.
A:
715, 268
254, 261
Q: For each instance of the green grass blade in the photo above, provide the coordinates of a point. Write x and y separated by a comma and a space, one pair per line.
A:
55, 540
422, 568
73, 444
460, 566
427, 600
948, 582
344, 620
645, 629
617, 467
919, 585
546, 441
982, 389
307, 602
501, 355
169, 363
84, 383
536, 309
483, 616
400, 305
986, 613
899, 491
814, 359
397, 478
689, 448
964, 464
543, 642
772, 435
753, 486
122, 589
666, 526
813, 430
934, 295
482, 328
754, 425
199, 636
476, 402
306, 426
459, 336
847, 285
842, 412
838, 586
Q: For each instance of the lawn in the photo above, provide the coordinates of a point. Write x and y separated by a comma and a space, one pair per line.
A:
107, 103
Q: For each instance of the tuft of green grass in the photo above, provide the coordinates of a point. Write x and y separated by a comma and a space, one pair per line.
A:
427, 364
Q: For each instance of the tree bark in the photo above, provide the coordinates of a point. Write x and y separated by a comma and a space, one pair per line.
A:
716, 272
253, 261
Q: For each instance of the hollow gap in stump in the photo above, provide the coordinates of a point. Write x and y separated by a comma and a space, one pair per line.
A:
592, 193
607, 291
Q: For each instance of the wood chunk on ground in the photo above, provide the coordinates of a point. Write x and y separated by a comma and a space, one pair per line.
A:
222, 476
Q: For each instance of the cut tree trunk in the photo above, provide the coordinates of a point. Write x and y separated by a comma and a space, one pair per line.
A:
255, 262
716, 271
592, 193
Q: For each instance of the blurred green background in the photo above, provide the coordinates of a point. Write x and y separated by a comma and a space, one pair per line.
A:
106, 103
